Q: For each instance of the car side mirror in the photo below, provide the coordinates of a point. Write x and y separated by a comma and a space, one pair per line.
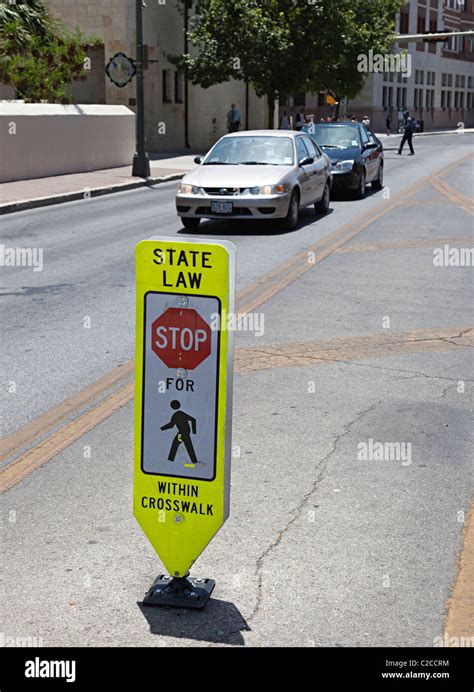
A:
370, 145
307, 161
198, 159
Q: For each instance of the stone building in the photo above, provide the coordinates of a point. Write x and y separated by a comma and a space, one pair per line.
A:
440, 88
114, 22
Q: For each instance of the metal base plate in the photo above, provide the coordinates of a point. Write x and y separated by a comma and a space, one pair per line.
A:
179, 592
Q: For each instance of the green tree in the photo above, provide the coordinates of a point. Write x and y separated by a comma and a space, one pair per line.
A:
39, 57
283, 47
31, 18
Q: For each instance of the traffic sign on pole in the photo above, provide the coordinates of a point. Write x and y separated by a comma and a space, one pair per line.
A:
183, 405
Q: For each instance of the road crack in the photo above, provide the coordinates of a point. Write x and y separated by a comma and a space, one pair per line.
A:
296, 512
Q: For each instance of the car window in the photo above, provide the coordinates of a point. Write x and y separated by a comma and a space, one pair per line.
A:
364, 135
301, 149
251, 151
370, 135
312, 151
337, 136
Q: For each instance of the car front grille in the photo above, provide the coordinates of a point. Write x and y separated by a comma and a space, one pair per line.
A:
223, 191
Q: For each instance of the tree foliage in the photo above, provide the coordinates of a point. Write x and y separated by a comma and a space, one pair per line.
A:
39, 57
283, 47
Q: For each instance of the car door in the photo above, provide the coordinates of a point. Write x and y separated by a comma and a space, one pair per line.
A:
318, 170
304, 172
372, 155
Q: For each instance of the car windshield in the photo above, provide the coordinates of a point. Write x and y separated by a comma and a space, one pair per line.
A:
251, 151
337, 136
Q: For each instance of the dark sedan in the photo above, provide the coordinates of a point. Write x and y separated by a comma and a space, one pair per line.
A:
355, 152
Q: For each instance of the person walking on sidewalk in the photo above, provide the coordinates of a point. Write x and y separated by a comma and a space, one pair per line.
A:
233, 118
407, 136
388, 125
299, 121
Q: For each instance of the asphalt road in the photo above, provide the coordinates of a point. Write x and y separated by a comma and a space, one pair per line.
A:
321, 548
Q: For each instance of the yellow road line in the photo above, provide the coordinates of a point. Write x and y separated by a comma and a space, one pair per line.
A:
352, 348
282, 276
460, 617
263, 288
453, 195
43, 452
462, 241
69, 406
247, 360
449, 192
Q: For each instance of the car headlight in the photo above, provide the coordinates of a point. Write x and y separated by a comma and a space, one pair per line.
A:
268, 190
343, 165
187, 189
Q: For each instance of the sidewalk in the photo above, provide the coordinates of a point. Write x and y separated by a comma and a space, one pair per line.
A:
38, 192
164, 166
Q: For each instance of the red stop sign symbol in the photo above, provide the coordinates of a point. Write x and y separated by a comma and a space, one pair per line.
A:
181, 338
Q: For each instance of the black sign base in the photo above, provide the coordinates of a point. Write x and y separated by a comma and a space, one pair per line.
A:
179, 592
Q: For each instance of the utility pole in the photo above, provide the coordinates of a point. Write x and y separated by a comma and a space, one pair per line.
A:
186, 79
141, 163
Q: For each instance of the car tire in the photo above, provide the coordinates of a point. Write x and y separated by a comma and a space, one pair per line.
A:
291, 219
322, 207
377, 184
189, 222
361, 188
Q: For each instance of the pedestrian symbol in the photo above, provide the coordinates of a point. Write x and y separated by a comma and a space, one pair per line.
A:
181, 421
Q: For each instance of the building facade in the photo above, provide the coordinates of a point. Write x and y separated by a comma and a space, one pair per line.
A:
440, 88
114, 22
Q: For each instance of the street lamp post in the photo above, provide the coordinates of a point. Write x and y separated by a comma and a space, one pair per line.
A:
141, 163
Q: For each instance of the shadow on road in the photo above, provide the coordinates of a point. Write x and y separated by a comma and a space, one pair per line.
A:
249, 227
219, 623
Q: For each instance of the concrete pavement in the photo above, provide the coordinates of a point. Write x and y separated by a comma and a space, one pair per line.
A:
323, 546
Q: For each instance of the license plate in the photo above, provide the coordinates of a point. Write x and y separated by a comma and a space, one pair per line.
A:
222, 207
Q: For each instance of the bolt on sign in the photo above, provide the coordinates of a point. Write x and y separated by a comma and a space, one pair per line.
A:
183, 397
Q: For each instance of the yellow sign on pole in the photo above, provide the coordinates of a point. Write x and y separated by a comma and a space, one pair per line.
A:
183, 405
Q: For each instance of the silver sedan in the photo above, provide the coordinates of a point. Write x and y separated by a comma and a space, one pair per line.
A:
259, 174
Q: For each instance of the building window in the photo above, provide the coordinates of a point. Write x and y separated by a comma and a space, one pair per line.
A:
401, 97
387, 96
178, 87
448, 99
404, 19
166, 77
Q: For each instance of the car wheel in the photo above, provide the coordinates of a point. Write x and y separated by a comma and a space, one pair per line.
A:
377, 184
360, 192
291, 219
189, 222
322, 207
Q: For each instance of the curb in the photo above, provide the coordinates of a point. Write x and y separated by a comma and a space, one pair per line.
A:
38, 202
